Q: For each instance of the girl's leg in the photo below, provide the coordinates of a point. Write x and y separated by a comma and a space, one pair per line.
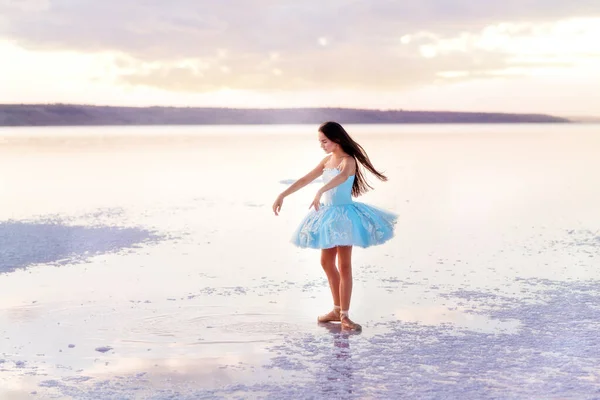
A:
344, 254
333, 276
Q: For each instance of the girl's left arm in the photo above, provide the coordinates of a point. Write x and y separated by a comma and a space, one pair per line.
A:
346, 171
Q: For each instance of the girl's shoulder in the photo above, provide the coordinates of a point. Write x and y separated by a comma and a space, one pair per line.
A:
349, 163
348, 160
326, 160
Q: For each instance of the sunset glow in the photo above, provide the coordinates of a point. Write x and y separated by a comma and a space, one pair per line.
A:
177, 55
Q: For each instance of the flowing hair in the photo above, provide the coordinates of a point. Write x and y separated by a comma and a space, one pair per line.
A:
337, 134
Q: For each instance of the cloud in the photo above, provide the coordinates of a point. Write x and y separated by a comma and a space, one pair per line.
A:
204, 45
414, 59
342, 67
185, 28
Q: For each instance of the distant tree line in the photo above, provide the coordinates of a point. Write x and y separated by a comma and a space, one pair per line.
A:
82, 115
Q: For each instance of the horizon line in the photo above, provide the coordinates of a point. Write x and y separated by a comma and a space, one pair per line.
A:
297, 108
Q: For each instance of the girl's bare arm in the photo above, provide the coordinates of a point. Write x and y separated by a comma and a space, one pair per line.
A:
348, 168
306, 179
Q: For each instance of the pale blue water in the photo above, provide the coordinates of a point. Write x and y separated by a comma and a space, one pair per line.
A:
160, 243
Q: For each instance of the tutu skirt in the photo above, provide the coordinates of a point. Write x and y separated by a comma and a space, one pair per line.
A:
351, 224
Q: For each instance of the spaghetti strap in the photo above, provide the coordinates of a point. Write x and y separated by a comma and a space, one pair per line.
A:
339, 165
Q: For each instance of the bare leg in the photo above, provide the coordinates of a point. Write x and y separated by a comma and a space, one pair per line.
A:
344, 254
333, 276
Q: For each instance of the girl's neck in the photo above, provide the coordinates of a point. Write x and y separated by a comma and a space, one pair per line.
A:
338, 155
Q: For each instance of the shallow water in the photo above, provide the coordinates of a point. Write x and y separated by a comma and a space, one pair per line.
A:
145, 262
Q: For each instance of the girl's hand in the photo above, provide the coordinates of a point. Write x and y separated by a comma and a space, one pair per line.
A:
316, 202
277, 205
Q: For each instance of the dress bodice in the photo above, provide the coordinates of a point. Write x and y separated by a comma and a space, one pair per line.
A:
341, 194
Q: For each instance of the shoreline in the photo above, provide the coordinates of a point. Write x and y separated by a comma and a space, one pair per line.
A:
83, 115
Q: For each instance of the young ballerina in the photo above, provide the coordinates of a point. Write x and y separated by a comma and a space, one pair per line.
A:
337, 223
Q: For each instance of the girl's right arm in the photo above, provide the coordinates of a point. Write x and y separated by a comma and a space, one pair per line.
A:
299, 184
306, 179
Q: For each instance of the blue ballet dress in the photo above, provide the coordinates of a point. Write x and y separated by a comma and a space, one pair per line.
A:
341, 221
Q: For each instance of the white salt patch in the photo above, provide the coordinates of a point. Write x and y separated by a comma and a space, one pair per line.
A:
50, 383
77, 379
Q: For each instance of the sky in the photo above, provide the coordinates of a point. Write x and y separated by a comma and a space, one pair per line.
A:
534, 56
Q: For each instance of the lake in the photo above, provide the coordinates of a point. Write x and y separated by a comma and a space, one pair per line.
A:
146, 262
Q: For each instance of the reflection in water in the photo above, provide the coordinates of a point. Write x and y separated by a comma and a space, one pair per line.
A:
464, 318
336, 368
552, 351
132, 378
410, 360
23, 244
404, 360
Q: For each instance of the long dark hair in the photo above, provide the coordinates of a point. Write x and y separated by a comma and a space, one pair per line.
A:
337, 134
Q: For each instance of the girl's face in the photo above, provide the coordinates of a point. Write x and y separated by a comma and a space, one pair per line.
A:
327, 145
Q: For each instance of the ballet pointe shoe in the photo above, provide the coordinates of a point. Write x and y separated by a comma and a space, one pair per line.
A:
331, 316
348, 324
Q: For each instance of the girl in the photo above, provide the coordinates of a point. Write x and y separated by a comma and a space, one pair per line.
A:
337, 223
